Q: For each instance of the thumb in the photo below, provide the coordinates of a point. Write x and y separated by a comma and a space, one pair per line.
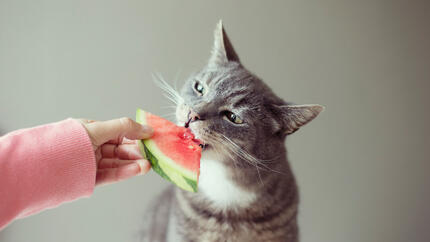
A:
116, 129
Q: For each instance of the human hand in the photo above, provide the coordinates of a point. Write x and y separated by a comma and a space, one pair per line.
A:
116, 149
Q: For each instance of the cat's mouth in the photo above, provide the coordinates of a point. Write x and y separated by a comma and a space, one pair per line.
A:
197, 138
187, 124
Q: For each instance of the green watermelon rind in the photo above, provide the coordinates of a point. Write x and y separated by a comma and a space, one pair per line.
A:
154, 163
152, 146
162, 164
166, 172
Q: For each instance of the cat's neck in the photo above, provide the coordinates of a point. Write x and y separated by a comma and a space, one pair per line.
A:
218, 186
226, 187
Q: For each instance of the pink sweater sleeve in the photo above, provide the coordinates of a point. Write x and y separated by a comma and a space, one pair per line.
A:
43, 167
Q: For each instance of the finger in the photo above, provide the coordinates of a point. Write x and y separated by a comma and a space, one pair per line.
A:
85, 121
116, 129
106, 176
123, 141
128, 141
109, 150
113, 163
129, 152
124, 151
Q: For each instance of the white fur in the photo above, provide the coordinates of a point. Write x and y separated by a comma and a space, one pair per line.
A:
219, 188
213, 179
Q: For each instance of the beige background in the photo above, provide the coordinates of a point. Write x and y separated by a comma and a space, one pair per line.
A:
362, 166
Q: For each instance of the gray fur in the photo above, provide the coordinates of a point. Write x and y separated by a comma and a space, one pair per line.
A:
252, 152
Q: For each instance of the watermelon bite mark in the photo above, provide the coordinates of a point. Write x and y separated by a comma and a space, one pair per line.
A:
173, 151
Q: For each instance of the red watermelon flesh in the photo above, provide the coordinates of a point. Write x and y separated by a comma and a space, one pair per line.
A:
173, 151
176, 141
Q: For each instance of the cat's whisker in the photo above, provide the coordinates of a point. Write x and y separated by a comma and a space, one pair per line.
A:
238, 154
248, 157
171, 99
259, 176
256, 165
234, 151
171, 93
175, 81
242, 152
246, 154
168, 115
170, 106
169, 90
219, 144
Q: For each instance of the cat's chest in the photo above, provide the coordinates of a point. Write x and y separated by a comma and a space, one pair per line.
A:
209, 232
219, 188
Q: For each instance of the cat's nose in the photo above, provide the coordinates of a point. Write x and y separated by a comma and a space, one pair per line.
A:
193, 116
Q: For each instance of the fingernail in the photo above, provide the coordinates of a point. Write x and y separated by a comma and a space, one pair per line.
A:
147, 129
143, 164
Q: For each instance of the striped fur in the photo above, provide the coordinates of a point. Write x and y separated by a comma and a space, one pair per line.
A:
248, 191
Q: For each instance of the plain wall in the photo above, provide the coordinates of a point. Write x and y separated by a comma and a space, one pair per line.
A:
362, 166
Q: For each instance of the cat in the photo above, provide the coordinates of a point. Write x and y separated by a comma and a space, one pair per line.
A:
247, 191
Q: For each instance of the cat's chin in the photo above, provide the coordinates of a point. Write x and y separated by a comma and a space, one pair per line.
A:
202, 143
199, 135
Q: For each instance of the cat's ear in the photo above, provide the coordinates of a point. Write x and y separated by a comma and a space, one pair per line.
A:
222, 51
295, 116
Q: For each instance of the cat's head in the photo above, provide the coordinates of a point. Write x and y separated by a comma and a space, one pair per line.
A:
235, 113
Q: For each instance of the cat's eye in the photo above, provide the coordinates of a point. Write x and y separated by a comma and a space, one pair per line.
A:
199, 88
232, 117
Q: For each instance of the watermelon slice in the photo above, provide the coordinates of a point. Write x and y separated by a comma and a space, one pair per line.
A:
173, 151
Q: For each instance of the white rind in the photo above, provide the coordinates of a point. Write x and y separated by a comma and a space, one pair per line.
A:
165, 162
175, 172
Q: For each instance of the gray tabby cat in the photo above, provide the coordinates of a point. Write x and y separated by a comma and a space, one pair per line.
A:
247, 191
